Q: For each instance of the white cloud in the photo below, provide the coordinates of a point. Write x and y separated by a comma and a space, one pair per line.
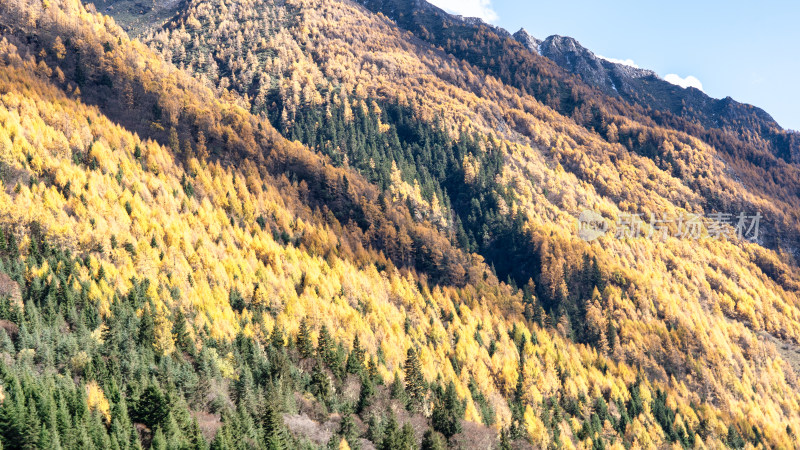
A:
469, 8
624, 62
689, 81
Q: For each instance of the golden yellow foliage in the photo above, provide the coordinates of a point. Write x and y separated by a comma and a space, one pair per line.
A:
97, 400
77, 173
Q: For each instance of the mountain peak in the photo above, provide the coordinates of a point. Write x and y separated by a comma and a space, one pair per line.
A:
566, 43
531, 43
609, 75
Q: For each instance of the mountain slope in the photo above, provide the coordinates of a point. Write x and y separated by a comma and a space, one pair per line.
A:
257, 262
190, 254
332, 56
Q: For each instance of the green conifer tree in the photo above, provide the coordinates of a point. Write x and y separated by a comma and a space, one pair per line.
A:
414, 382
355, 361
432, 440
448, 412
304, 344
274, 434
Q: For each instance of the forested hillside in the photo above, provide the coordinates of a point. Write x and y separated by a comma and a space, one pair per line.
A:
295, 225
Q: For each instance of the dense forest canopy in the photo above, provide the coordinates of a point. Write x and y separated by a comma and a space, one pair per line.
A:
296, 225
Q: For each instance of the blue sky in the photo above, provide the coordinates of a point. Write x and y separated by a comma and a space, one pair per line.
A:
743, 49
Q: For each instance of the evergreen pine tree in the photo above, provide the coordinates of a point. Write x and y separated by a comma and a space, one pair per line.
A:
734, 439
517, 427
366, 394
304, 344
274, 434
277, 338
349, 431
391, 435
159, 441
372, 370
415, 383
406, 439
355, 361
397, 389
320, 384
222, 440
181, 333
12, 415
153, 406
147, 325
325, 347
31, 431
196, 439
432, 440
448, 412
374, 429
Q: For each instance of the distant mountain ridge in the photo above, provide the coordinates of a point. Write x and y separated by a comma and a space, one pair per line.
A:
636, 86
642, 86
568, 53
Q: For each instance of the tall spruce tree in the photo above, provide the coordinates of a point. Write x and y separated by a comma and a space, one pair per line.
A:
274, 433
355, 361
414, 381
448, 412
304, 344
